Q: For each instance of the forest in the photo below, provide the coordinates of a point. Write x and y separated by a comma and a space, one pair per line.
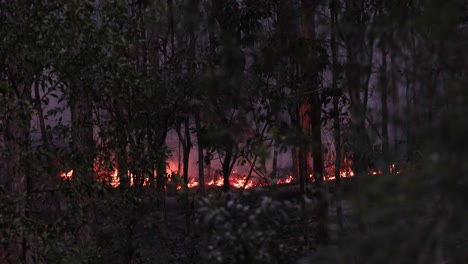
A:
233, 131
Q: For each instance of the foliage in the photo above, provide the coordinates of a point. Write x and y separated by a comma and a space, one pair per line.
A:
249, 229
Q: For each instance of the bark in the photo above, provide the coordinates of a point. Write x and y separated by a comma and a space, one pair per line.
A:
336, 117
170, 15
17, 122
312, 71
122, 161
284, 37
82, 132
201, 176
383, 98
159, 144
359, 136
187, 148
395, 98
186, 142
274, 168
226, 164
40, 114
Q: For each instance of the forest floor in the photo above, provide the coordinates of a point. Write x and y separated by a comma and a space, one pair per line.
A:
152, 237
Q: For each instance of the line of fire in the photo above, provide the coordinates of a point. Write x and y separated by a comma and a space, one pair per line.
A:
244, 175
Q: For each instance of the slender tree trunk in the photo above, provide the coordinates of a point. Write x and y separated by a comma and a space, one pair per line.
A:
201, 176
383, 97
186, 142
187, 148
274, 168
17, 142
227, 165
170, 18
395, 99
40, 114
336, 117
359, 136
285, 35
179, 158
82, 132
312, 72
122, 162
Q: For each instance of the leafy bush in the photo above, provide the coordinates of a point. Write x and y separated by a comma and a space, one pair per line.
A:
248, 229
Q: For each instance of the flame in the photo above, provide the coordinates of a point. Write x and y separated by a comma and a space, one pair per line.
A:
115, 180
219, 182
192, 183
67, 176
393, 169
112, 178
285, 181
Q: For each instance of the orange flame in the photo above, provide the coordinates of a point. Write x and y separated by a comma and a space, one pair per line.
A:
285, 181
67, 176
236, 181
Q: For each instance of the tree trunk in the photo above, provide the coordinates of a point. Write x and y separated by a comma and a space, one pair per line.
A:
201, 176
187, 148
40, 114
312, 71
395, 99
383, 99
226, 164
336, 117
359, 136
82, 133
274, 167
17, 137
122, 162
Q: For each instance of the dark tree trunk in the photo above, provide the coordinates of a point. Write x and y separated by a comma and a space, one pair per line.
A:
82, 132
360, 142
274, 167
187, 148
383, 98
122, 162
336, 117
226, 164
186, 142
311, 69
17, 142
201, 176
317, 149
40, 114
395, 99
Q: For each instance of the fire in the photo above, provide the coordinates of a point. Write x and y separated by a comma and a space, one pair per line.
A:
219, 182
115, 180
67, 176
112, 178
192, 183
394, 170
285, 181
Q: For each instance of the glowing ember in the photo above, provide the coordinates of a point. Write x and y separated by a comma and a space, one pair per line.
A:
115, 180
66, 176
394, 170
285, 181
375, 172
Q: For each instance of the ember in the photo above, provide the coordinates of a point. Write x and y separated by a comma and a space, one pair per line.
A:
235, 180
